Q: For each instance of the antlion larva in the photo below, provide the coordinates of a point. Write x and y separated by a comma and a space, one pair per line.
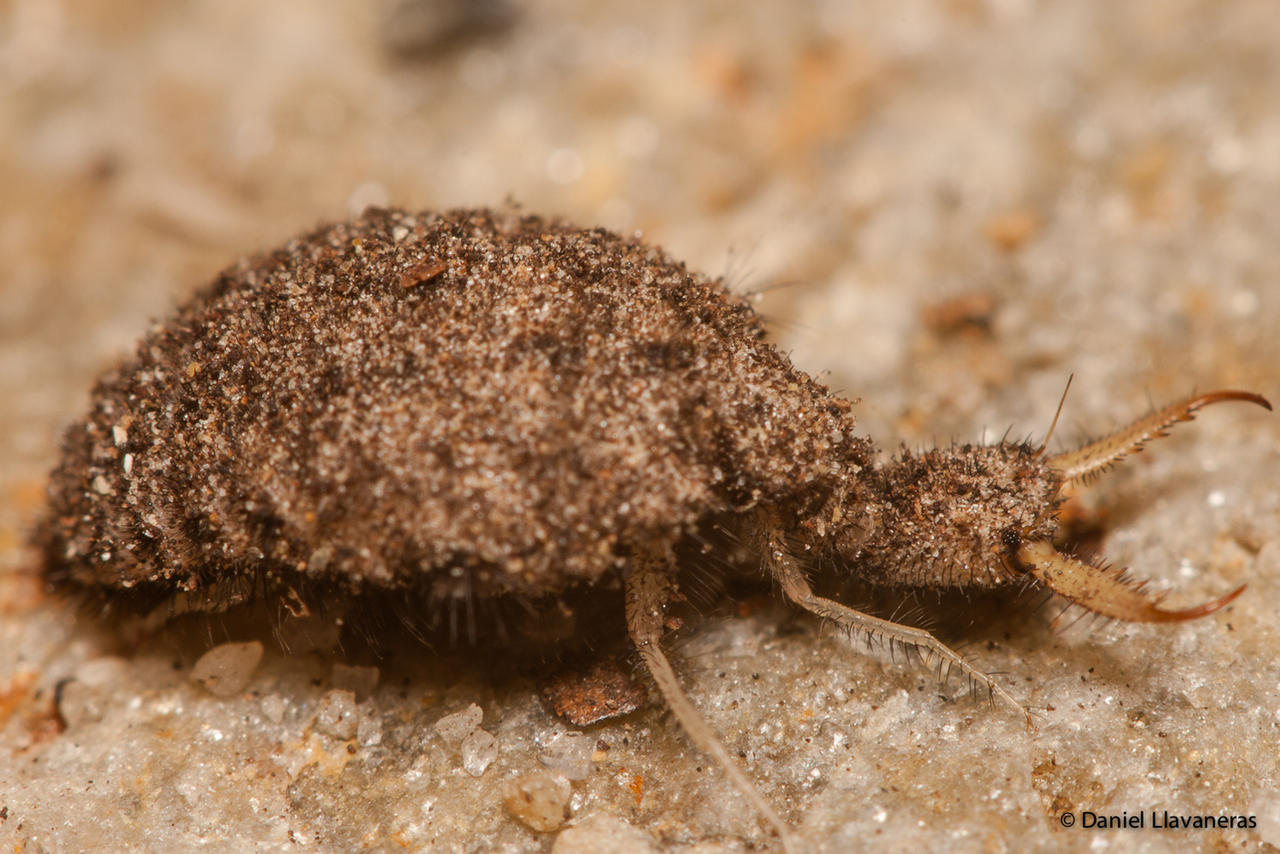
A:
448, 410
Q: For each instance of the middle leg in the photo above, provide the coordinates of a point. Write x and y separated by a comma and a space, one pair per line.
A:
784, 568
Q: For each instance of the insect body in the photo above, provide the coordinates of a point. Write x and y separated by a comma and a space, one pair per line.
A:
462, 407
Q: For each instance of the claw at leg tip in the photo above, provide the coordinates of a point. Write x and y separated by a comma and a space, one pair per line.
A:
1103, 591
1227, 394
1199, 610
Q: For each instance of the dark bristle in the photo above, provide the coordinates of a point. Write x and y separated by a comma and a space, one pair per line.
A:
505, 437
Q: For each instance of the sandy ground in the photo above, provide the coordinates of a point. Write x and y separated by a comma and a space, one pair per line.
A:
945, 208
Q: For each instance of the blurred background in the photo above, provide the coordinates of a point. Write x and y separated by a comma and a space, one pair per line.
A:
944, 208
879, 171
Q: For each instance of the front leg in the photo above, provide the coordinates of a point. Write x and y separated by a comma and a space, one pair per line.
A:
786, 571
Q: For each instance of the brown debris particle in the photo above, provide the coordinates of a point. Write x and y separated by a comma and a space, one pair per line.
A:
972, 310
607, 689
422, 272
1010, 230
15, 693
637, 788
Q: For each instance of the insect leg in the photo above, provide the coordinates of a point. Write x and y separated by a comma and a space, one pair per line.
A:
649, 587
784, 568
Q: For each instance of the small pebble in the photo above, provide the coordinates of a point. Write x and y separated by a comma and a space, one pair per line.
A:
568, 753
540, 800
479, 749
226, 669
457, 726
337, 716
369, 730
79, 703
273, 708
602, 834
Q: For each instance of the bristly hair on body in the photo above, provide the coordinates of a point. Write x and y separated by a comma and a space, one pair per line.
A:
439, 413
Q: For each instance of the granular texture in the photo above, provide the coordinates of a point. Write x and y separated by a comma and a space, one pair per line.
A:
478, 406
465, 404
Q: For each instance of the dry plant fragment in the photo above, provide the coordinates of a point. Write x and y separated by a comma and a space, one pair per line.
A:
436, 414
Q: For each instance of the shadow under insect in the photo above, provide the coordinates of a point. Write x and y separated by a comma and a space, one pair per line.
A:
485, 427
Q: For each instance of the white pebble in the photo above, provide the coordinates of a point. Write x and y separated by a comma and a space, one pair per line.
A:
226, 669
479, 749
337, 715
540, 800
568, 753
457, 726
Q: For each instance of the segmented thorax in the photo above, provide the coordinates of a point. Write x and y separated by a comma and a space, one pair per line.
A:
950, 517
